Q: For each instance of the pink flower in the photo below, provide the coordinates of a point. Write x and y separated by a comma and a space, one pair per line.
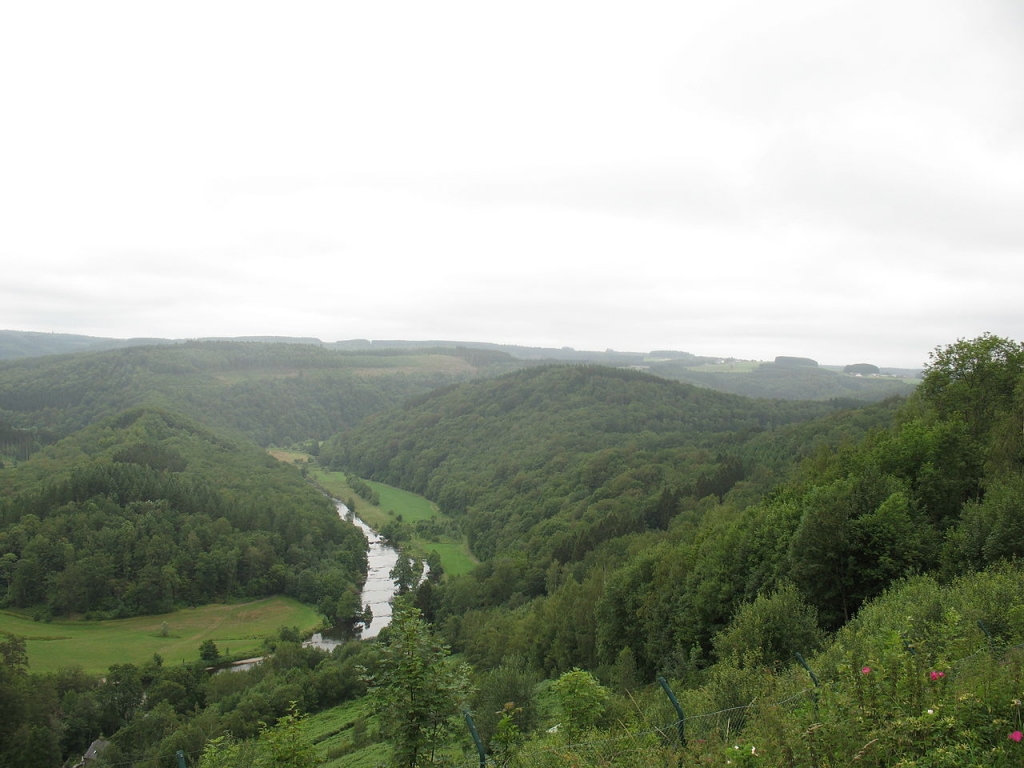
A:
1016, 736
938, 675
865, 670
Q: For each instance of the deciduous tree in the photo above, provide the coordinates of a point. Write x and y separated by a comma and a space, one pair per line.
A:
418, 690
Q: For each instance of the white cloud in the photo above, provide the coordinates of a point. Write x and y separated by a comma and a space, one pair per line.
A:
833, 179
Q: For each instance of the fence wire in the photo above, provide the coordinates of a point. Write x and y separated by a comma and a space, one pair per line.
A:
653, 743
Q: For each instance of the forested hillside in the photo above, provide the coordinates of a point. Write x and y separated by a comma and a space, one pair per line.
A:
577, 484
553, 461
790, 382
637, 551
148, 511
625, 501
273, 393
821, 583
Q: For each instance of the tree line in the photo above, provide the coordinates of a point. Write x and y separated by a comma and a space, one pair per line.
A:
271, 393
630, 559
148, 511
632, 528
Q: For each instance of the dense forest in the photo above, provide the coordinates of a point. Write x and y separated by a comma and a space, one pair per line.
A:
146, 511
812, 582
271, 393
531, 461
626, 502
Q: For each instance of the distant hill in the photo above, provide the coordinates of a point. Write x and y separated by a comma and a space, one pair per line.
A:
275, 393
785, 360
18, 344
554, 441
786, 381
782, 379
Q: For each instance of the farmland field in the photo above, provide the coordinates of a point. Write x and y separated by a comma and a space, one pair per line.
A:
410, 506
238, 630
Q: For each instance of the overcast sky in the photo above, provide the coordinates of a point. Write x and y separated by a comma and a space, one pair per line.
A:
838, 180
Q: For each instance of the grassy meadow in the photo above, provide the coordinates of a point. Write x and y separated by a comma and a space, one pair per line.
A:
411, 507
238, 629
347, 735
394, 502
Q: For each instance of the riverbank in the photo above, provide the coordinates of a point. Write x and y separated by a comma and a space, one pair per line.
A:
379, 587
414, 512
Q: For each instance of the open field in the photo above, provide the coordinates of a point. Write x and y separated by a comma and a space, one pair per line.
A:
335, 484
411, 507
238, 630
455, 555
289, 457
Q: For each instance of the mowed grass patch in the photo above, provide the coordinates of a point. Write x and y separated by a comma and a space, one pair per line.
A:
411, 507
237, 629
455, 555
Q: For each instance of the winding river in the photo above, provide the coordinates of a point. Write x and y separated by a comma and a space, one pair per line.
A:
377, 591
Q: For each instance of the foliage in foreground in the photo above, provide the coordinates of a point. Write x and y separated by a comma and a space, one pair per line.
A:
902, 546
418, 689
927, 676
279, 746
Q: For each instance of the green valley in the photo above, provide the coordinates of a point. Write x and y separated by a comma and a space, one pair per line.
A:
407, 519
633, 570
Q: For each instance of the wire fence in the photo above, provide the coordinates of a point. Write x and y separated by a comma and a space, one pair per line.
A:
718, 725
652, 745
651, 742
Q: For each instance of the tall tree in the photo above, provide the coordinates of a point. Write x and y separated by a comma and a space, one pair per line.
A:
976, 378
418, 690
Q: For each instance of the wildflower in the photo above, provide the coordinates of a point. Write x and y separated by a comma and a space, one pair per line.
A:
1016, 736
937, 675
931, 711
865, 670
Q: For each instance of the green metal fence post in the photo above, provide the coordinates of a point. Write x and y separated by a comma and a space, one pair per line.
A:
476, 738
814, 678
681, 724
